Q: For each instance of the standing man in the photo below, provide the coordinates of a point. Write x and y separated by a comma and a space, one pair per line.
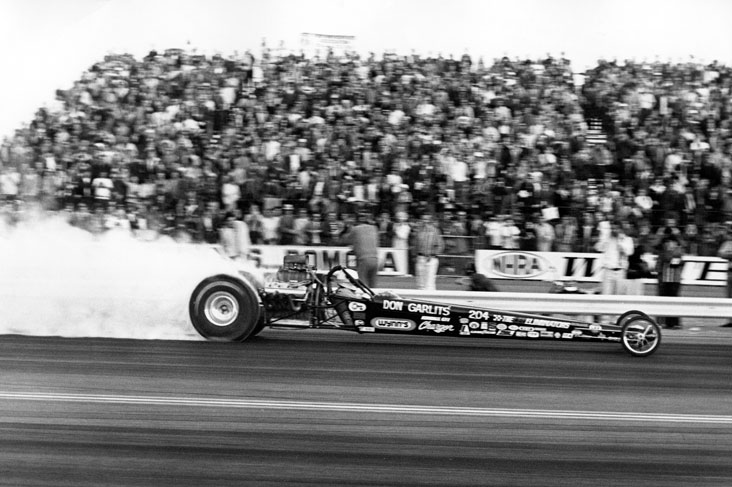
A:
669, 267
616, 247
427, 244
286, 225
545, 235
364, 238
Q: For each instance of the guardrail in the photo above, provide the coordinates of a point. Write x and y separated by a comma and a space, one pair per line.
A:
581, 304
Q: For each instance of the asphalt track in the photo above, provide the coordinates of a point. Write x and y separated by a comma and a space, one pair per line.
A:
332, 408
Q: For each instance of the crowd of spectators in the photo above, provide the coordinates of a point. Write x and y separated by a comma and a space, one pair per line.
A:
501, 153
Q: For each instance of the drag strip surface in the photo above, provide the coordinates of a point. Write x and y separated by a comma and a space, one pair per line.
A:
324, 408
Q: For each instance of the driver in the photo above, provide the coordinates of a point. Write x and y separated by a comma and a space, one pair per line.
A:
345, 291
345, 288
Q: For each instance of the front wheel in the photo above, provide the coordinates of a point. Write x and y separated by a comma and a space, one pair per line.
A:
224, 309
640, 335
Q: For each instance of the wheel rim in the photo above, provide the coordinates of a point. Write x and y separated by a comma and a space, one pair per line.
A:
221, 308
641, 337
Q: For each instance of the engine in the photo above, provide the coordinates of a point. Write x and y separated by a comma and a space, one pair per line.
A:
286, 295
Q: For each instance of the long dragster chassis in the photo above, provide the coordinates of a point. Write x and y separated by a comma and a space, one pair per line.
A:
233, 309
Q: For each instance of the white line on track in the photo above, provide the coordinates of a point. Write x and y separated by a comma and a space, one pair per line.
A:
367, 408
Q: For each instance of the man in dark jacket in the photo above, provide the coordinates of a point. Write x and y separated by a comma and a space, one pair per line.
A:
364, 238
669, 267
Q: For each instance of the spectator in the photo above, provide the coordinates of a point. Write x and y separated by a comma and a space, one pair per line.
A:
385, 226
455, 232
102, 187
494, 233
637, 271
428, 244
270, 227
401, 230
545, 236
315, 230
253, 219
332, 229
301, 225
510, 234
9, 184
589, 233
567, 234
616, 247
669, 268
528, 236
286, 226
364, 238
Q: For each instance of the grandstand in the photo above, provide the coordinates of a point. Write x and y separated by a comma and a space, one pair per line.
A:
178, 143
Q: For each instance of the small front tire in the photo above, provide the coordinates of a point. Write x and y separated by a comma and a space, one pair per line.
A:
640, 335
223, 308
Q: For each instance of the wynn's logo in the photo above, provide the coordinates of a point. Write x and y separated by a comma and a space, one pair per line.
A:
393, 324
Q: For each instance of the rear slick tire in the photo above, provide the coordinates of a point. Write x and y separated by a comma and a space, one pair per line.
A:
223, 308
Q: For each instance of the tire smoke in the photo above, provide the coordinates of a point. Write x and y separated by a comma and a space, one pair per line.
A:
58, 280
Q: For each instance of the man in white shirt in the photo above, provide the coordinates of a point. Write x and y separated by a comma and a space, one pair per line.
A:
510, 234
494, 232
615, 248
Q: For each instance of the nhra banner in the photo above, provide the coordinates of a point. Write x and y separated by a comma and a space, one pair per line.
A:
581, 267
392, 262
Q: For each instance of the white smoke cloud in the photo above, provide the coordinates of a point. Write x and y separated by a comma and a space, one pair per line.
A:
57, 280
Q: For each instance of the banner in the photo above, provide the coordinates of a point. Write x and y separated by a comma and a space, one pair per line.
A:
320, 43
581, 267
392, 262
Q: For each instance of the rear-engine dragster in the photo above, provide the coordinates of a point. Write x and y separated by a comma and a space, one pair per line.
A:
228, 308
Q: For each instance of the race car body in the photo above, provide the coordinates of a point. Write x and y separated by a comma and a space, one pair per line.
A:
221, 308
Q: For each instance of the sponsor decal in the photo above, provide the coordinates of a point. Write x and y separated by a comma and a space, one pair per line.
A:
504, 318
392, 305
595, 328
435, 327
393, 324
479, 314
548, 323
359, 322
521, 265
428, 309
577, 333
568, 336
513, 327
501, 326
557, 335
533, 334
474, 325
465, 330
357, 307
546, 334
521, 334
464, 320
504, 333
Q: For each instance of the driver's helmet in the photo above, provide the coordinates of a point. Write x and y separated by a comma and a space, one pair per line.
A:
345, 287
